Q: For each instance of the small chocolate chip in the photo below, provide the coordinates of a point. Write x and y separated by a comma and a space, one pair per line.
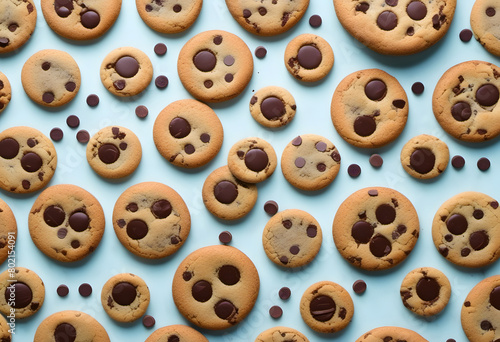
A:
376, 160
225, 237
275, 311
160, 49
73, 121
417, 88
83, 136
148, 321
271, 207
315, 21
354, 170
359, 286
465, 35
260, 52
56, 134
161, 82
92, 100
62, 290
85, 290
458, 162
483, 164
284, 293
141, 111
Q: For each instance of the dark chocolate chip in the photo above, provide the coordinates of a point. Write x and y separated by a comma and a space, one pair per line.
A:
321, 167
375, 90
229, 275
9, 148
61, 233
294, 249
262, 11
56, 134
272, 108
205, 61
173, 338
161, 82
373, 192
70, 86
458, 162
75, 244
46, 66
416, 10
225, 237
90, 19
127, 66
148, 321
392, 3
362, 232
495, 297
362, 7
208, 84
448, 237
260, 52
422, 160
284, 260
160, 49
31, 162
83, 136
483, 164
256, 159
461, 111
284, 293
62, 290
376, 160
271, 207
124, 293
364, 125
79, 221
494, 204
161, 209
309, 57
315, 21
457, 224
312, 231
359, 286
387, 20
487, 95
465, 252
275, 311
92, 100
202, 291
479, 240
217, 40
300, 162
48, 97
179, 128
4, 41
486, 325
65, 332
321, 146
297, 141
187, 276
228, 78
108, 153
119, 84
322, 308
490, 12
287, 224
399, 103
247, 13
137, 229
225, 192
465, 35
380, 246
417, 88
410, 31
54, 216
85, 290
177, 8
20, 292
73, 121
428, 289
224, 309
354, 170
229, 60
385, 214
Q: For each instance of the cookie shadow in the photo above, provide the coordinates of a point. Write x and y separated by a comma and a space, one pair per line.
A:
404, 61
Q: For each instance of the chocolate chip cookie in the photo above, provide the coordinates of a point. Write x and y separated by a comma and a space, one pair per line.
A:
465, 228
28, 159
66, 222
17, 23
281, 334
326, 307
80, 20
310, 162
114, 152
188, 133
384, 334
226, 196
369, 108
169, 16
21, 292
308, 57
252, 160
5, 92
272, 106
425, 156
215, 66
151, 220
51, 78
215, 287
375, 228
484, 21
5, 330
176, 332
8, 232
126, 71
465, 101
395, 27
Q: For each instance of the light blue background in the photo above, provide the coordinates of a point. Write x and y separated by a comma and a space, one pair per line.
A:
379, 305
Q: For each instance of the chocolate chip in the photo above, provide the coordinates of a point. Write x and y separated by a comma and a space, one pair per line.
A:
392, 3
284, 260
373, 192
62, 290
443, 250
362, 232
229, 275
465, 252
385, 214
399, 103
187, 276
92, 100
217, 40
79, 221
127, 66
354, 170
309, 57
428, 289
416, 10
22, 295
108, 153
48, 97
271, 207
160, 49
205, 138
461, 111
73, 121
364, 125
300, 162
495, 297
410, 31
359, 286
54, 216
487, 95
75, 244
287, 224
123, 146
228, 78
417, 88
422, 160
380, 246
208, 84
177, 8
61, 233
202, 291
321, 167
137, 229
56, 134
90, 19
486, 325
483, 164
457, 224
312, 231
297, 141
205, 61
229, 60
9, 148
225, 192
256, 159
387, 20
161, 82
315, 21
225, 237
260, 52
83, 136
26, 184
224, 309
490, 12
494, 204
272, 108
179, 128
376, 160
284, 293
46, 66
124, 293
119, 84
262, 11
161, 209
322, 308
65, 332
148, 321
362, 7
70, 86
479, 240
294, 249
375, 90
31, 162
275, 311
4, 41
173, 338
246, 13
465, 35
85, 290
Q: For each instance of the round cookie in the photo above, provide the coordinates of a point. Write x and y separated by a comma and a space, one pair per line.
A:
17, 23
8, 232
31, 156
125, 297
114, 152
369, 108
151, 220
292, 238
272, 106
266, 17
66, 222
252, 160
281, 334
465, 228
5, 335
425, 291
425, 156
226, 196
177, 332
375, 228
51, 78
126, 71
384, 334
71, 326
326, 307
21, 292
308, 57
188, 133
215, 287
310, 162
80, 20
396, 27
215, 66
5, 91
484, 21
464, 101
169, 16
481, 311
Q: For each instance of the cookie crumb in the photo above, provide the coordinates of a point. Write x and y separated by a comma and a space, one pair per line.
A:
315, 21
275, 311
483, 164
260, 52
73, 121
161, 82
285, 293
85, 290
225, 237
141, 111
148, 321
458, 162
56, 134
160, 49
92, 100
271, 207
359, 286
354, 170
465, 35
62, 290
376, 160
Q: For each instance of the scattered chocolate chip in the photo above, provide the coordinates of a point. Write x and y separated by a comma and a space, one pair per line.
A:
228, 78
387, 20
461, 111
161, 82
141, 111
73, 121
83, 136
271, 207
56, 134
62, 290
376, 160
359, 286
417, 88
315, 21
160, 49
85, 290
148, 321
458, 162
364, 125
483, 164
217, 40
284, 293
373, 192
46, 66
275, 311
354, 170
92, 100
465, 35
260, 52
229, 60
225, 237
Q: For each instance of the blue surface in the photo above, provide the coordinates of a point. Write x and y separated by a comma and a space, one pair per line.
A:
379, 305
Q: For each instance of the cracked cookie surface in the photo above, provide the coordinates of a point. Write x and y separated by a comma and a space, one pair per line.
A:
425, 156
22, 292
485, 22
169, 16
176, 332
17, 23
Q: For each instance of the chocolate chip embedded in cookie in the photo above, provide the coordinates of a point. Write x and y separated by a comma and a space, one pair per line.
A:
281, 334
266, 17
425, 291
17, 24
5, 92
252, 160
151, 220
425, 156
384, 334
51, 78
369, 108
465, 101
126, 71
188, 133
215, 287
375, 228
114, 152
66, 222
215, 66
125, 297
176, 332
21, 292
326, 307
395, 27
292, 238
71, 326
30, 155
272, 106
310, 162
8, 231
80, 20
484, 20
308, 57
481, 311
226, 196
465, 229
169, 16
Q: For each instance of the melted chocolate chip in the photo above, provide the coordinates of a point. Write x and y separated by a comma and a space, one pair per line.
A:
387, 20
362, 232
487, 95
224, 309
422, 160
4, 41
385, 214
161, 209
137, 229
375, 90
65, 332
108, 153
90, 19
272, 108
322, 308
225, 192
456, 224
399, 103
124, 293
9, 148
229, 275
204, 61
18, 294
416, 10
364, 125
309, 57
479, 240
46, 66
256, 159
287, 224
428, 289
461, 111
31, 162
417, 88
362, 7
202, 291
79, 221
495, 297
380, 246
297, 141
54, 216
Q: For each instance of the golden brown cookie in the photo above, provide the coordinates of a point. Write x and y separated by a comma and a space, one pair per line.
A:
384, 334
252, 160
272, 106
484, 20
17, 23
21, 292
425, 156
5, 92
177, 332
169, 16
281, 334
8, 232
